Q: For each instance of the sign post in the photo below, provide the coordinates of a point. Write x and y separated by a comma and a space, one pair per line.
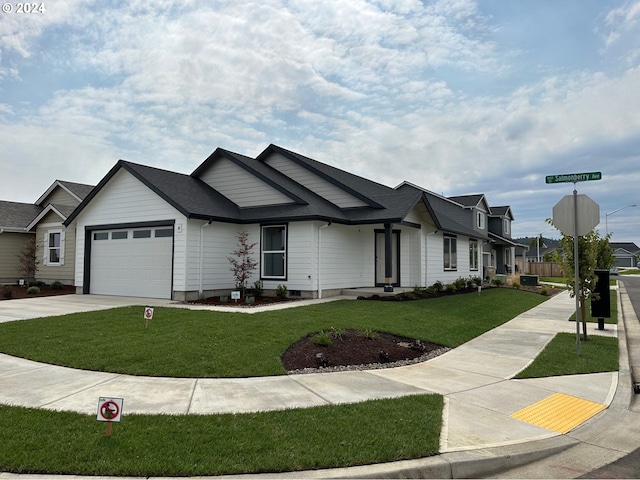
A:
575, 228
109, 410
148, 315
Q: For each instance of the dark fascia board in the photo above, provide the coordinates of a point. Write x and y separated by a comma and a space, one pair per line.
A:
222, 153
276, 149
505, 240
121, 164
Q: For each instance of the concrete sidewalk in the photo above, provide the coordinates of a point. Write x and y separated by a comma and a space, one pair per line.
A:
479, 434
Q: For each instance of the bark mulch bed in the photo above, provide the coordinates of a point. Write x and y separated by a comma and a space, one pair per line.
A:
9, 292
354, 350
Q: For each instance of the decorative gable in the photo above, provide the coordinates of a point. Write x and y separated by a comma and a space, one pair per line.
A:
320, 186
240, 185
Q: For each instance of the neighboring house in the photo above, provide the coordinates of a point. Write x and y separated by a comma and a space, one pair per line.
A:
43, 219
625, 253
499, 253
149, 232
543, 249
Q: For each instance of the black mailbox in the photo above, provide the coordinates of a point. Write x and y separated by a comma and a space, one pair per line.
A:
601, 307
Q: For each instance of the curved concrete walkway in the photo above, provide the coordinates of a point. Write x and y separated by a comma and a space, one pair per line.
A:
479, 435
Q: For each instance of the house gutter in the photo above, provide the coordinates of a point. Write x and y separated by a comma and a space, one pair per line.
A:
320, 258
201, 260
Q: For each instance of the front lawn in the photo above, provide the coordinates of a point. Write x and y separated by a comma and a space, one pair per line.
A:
188, 343
40, 441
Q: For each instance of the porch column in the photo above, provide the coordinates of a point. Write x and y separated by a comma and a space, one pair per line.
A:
388, 261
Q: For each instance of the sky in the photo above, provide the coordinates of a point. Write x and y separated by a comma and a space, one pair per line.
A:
457, 96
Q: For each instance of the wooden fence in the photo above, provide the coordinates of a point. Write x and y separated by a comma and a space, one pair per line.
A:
544, 269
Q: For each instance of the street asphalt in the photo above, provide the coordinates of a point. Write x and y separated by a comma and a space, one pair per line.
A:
481, 436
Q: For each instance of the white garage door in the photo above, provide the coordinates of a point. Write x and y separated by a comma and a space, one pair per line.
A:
135, 262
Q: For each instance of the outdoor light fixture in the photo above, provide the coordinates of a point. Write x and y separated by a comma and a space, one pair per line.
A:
606, 216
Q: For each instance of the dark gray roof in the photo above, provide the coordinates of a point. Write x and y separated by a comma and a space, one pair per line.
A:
628, 246
439, 208
81, 190
17, 216
468, 200
195, 199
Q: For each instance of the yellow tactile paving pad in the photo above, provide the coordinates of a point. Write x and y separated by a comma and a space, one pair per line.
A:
559, 412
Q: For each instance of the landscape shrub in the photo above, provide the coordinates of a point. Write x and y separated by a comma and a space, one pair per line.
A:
258, 288
437, 286
450, 288
460, 284
323, 339
33, 290
57, 285
281, 291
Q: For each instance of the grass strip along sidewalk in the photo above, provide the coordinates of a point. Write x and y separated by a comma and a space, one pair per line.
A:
40, 441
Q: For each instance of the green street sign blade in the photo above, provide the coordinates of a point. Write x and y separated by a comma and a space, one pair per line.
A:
573, 177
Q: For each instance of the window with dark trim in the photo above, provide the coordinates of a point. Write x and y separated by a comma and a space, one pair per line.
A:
101, 236
274, 251
119, 235
164, 232
142, 234
450, 252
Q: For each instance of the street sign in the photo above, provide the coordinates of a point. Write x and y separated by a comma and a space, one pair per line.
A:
148, 313
573, 177
564, 215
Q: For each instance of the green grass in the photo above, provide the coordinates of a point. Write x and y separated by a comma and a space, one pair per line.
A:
598, 354
562, 280
40, 441
630, 271
188, 343
613, 307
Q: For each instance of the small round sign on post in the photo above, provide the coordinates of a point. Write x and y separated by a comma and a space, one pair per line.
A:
109, 410
148, 315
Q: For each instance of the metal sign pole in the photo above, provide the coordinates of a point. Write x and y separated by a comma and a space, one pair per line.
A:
576, 265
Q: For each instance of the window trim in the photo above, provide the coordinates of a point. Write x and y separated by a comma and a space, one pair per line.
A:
481, 220
284, 252
474, 252
48, 248
506, 226
448, 241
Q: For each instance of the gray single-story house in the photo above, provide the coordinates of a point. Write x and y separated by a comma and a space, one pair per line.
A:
625, 253
42, 221
145, 231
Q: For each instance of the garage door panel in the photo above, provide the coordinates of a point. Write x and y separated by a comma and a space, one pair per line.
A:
132, 266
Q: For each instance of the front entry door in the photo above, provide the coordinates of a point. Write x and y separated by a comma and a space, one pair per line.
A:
395, 258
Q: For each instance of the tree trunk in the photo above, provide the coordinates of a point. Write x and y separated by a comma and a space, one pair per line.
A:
583, 314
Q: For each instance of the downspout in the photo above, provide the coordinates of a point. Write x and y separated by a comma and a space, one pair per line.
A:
200, 263
320, 258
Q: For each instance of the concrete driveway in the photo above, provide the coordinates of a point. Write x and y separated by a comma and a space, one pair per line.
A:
22, 308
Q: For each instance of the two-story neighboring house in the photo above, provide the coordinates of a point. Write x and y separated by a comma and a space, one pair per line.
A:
499, 253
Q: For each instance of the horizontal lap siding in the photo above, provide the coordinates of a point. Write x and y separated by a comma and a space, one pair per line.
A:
301, 252
11, 244
348, 257
241, 187
126, 200
313, 182
435, 260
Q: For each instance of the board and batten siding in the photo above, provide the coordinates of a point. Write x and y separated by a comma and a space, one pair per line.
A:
240, 186
313, 182
124, 199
